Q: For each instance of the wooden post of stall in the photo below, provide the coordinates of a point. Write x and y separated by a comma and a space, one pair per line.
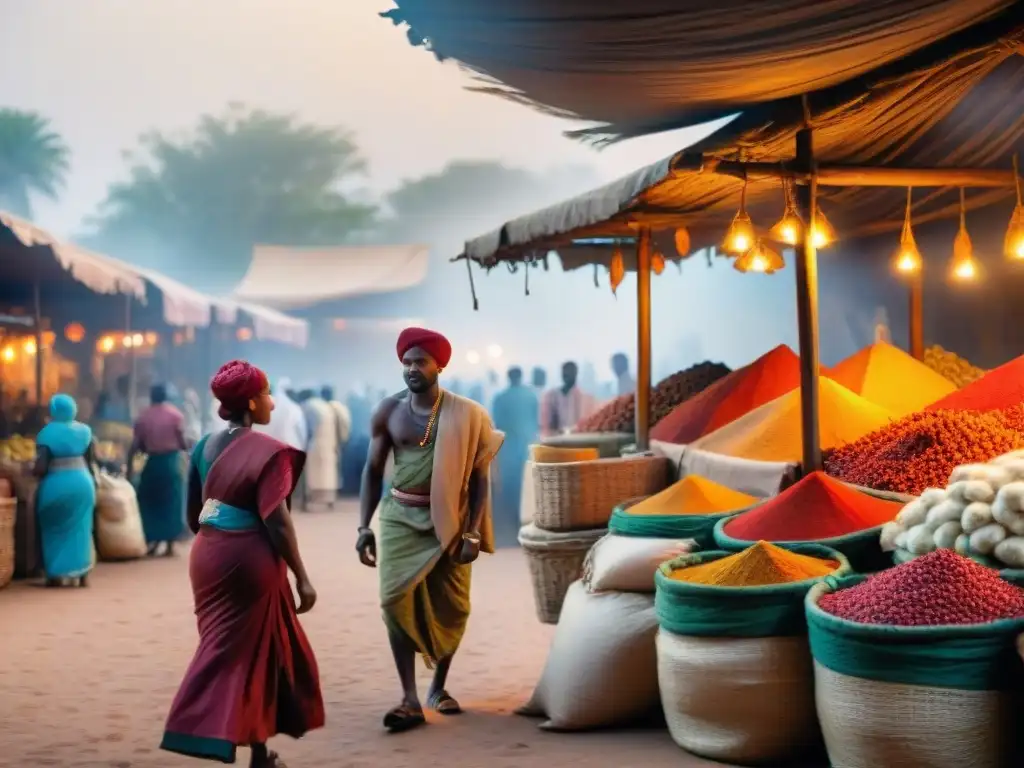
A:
132, 358
37, 324
807, 303
643, 340
916, 287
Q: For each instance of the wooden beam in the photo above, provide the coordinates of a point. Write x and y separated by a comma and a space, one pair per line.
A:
807, 306
37, 321
643, 341
916, 307
837, 175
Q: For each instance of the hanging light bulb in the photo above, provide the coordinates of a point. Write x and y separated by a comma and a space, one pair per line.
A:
964, 267
1013, 245
761, 259
740, 236
657, 262
908, 257
787, 229
822, 233
616, 270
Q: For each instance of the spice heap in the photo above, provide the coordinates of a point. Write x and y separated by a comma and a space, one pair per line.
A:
951, 366
770, 376
693, 495
1000, 388
817, 507
938, 589
887, 376
761, 565
921, 450
619, 415
772, 432
980, 512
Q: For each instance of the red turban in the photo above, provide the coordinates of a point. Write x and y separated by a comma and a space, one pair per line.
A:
431, 342
235, 384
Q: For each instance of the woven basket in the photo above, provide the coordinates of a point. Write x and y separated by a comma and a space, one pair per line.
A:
8, 514
581, 495
556, 561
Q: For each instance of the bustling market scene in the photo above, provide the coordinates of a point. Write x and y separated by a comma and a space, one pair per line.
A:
688, 431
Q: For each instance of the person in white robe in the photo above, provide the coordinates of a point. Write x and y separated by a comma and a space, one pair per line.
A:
322, 454
287, 422
343, 423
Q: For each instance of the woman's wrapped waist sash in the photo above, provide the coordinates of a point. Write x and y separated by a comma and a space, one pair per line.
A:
411, 499
68, 462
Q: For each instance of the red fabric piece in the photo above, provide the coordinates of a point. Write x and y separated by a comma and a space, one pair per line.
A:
254, 674
431, 342
817, 507
235, 384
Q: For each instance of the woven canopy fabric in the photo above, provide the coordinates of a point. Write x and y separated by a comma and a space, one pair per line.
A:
289, 278
964, 111
650, 65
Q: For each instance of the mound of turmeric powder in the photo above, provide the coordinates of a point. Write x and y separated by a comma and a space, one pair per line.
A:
760, 565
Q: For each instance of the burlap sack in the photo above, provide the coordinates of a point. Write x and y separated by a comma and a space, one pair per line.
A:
738, 699
870, 724
119, 532
628, 563
602, 668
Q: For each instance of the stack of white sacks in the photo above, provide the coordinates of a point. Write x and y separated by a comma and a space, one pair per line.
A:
979, 513
602, 669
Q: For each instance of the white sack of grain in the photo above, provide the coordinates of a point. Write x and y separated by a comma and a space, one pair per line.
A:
602, 669
628, 563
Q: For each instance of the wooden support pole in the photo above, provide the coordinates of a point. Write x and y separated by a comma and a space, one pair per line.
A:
37, 324
916, 325
133, 369
807, 305
643, 340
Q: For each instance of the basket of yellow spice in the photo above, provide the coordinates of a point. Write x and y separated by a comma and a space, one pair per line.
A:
734, 666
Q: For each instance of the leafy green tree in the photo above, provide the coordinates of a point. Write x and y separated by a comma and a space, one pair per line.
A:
195, 206
33, 160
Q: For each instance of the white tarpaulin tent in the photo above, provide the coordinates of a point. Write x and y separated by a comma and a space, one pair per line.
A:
289, 278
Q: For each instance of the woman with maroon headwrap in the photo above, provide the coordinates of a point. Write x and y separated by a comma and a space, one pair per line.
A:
254, 674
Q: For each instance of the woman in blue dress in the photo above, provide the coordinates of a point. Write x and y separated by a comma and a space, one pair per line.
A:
66, 499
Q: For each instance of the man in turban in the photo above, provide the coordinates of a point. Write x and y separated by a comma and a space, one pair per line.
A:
434, 519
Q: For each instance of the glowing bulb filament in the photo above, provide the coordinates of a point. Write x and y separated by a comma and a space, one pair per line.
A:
965, 270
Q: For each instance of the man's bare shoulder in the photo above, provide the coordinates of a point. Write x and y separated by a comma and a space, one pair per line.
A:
382, 413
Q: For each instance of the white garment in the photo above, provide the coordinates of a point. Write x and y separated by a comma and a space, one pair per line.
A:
561, 411
344, 417
287, 422
324, 447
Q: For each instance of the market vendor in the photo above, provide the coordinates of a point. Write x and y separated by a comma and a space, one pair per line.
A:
67, 495
160, 436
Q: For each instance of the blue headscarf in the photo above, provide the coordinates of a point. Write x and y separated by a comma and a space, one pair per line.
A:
63, 408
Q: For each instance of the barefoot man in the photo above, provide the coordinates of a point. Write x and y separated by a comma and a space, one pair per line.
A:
434, 519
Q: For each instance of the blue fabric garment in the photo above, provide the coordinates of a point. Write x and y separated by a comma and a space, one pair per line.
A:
224, 517
66, 499
515, 413
161, 492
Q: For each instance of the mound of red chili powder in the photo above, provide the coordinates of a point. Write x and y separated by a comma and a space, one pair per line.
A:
920, 450
939, 588
817, 507
1000, 388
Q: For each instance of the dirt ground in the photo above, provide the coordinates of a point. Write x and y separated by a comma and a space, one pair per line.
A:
87, 676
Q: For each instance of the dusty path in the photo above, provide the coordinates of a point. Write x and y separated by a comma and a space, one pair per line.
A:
86, 676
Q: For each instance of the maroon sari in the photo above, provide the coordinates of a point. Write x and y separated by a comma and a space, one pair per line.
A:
254, 674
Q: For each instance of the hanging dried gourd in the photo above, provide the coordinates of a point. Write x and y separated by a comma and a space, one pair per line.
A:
657, 262
616, 270
682, 238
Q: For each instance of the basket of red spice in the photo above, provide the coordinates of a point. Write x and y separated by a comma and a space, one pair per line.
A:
821, 510
917, 666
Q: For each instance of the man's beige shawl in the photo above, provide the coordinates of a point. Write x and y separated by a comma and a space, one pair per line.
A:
466, 440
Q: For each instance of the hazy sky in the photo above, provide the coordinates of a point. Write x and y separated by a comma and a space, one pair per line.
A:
106, 71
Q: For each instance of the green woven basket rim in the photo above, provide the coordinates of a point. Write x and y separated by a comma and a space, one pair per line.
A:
724, 539
831, 584
671, 586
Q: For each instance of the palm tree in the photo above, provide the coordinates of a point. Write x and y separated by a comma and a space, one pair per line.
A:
33, 159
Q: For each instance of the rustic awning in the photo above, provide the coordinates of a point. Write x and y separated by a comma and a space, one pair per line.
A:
289, 278
668, 63
964, 112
